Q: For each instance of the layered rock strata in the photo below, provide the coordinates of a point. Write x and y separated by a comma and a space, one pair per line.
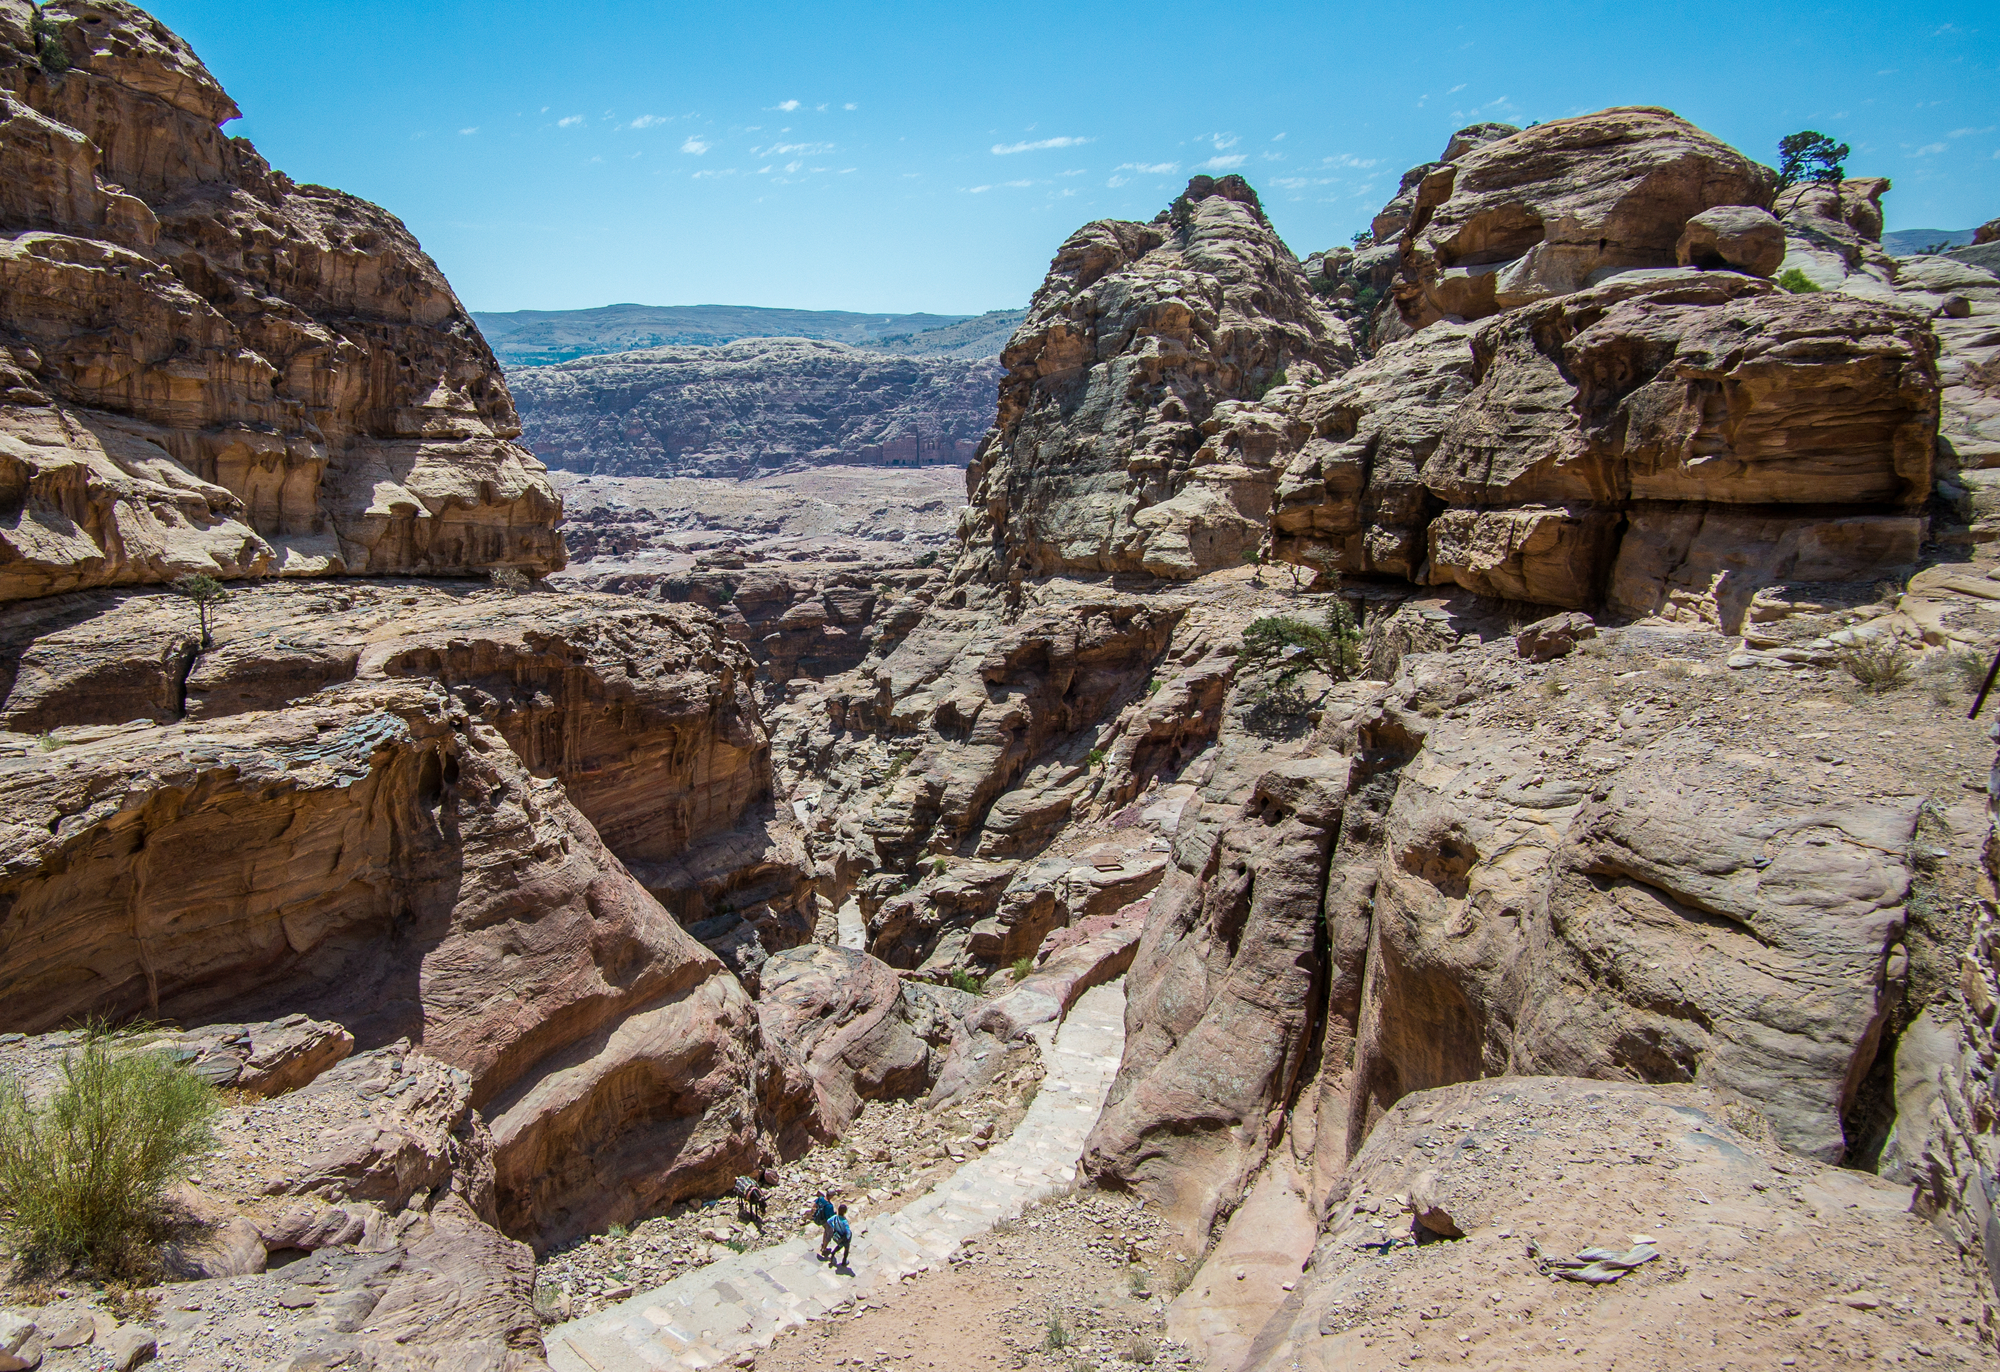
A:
207, 368
1101, 458
375, 805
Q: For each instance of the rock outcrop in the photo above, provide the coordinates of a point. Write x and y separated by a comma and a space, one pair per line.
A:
207, 368
753, 407
1634, 445
379, 805
1510, 217
1533, 1171
1102, 458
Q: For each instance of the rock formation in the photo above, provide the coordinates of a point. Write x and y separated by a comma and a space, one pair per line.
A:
376, 806
1101, 458
207, 368
753, 406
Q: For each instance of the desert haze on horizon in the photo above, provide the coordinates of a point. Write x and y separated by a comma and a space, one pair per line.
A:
861, 157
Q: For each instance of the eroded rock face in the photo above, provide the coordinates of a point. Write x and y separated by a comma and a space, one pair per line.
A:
1511, 219
862, 1033
383, 852
1102, 458
208, 368
1633, 444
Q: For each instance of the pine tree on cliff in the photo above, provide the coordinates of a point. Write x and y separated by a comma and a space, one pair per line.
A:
1810, 156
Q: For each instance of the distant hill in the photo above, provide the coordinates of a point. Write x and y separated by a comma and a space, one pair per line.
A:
533, 338
1909, 242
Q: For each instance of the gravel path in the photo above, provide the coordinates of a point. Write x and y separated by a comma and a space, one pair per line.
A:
731, 1308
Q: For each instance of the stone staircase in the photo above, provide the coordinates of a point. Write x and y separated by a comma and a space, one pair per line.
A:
727, 1310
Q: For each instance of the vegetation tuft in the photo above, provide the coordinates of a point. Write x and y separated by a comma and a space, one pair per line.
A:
1878, 664
963, 980
511, 580
1810, 156
83, 1177
1056, 1337
51, 51
1022, 966
1797, 282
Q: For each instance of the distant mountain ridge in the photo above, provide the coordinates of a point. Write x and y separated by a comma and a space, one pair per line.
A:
1910, 242
534, 338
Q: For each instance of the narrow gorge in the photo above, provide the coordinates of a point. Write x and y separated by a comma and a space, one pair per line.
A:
1490, 703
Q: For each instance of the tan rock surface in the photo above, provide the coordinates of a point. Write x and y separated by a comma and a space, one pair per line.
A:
291, 387
862, 1034
1101, 458
387, 852
1508, 221
1764, 1258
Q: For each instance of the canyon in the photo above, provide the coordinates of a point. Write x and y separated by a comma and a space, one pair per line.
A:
1490, 703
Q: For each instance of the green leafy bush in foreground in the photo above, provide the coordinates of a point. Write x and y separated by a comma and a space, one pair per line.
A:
1797, 282
83, 1176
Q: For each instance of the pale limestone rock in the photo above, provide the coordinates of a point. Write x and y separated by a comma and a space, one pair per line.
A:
1744, 238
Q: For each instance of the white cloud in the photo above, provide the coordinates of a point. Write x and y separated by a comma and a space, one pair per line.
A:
1149, 168
473, 129
1927, 149
978, 190
1074, 171
569, 121
1004, 149
1967, 133
1278, 138
850, 105
793, 149
647, 121
695, 145
1020, 183
713, 171
786, 105
1115, 182
1229, 163
1456, 89
1224, 140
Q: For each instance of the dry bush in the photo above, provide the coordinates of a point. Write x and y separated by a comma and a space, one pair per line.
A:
512, 580
1877, 664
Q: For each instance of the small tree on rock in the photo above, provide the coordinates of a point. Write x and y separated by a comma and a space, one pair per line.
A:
206, 593
1810, 156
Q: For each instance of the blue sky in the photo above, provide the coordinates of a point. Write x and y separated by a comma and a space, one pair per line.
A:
931, 156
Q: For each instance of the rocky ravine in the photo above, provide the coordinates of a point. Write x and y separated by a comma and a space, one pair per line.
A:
504, 915
1681, 846
205, 367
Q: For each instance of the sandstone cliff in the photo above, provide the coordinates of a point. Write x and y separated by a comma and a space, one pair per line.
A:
206, 367
752, 407
434, 817
1100, 459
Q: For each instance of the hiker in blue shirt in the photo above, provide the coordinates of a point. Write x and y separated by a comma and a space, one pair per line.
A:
822, 1212
840, 1235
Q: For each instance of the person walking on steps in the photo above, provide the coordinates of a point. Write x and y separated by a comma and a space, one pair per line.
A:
822, 1213
841, 1235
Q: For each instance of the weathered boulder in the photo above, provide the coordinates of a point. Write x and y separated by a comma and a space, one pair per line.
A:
1553, 209
1742, 237
862, 1034
290, 388
1102, 457
1554, 637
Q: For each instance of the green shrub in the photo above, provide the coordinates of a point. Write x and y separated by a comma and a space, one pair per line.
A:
83, 1177
616, 1231
928, 559
1333, 646
962, 980
1797, 282
1056, 1337
1023, 966
1094, 759
726, 592
51, 52
939, 866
